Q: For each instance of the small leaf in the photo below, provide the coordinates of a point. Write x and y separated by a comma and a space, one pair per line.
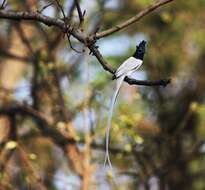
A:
11, 145
109, 174
194, 106
139, 139
166, 17
61, 125
32, 156
128, 148
77, 138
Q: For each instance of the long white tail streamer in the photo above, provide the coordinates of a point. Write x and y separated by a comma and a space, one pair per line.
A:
126, 68
112, 103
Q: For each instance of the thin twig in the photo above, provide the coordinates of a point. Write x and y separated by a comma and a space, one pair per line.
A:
80, 14
45, 7
66, 27
132, 20
61, 9
100, 58
43, 123
35, 16
71, 10
9, 55
70, 43
3, 4
88, 41
107, 67
24, 39
29, 167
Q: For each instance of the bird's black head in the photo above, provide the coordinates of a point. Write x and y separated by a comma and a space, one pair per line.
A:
140, 50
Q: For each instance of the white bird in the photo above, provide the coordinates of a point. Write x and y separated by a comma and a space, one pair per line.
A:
126, 69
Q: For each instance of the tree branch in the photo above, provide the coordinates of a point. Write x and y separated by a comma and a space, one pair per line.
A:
43, 123
36, 16
100, 58
161, 82
107, 67
9, 55
132, 20
3, 4
88, 41
80, 14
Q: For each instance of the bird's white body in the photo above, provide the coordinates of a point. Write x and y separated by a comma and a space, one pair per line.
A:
126, 69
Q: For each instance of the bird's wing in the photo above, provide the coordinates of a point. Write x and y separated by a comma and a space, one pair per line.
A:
128, 65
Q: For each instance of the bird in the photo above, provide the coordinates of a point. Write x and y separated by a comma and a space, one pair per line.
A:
129, 66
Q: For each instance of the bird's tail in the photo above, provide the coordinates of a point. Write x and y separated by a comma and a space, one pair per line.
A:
112, 103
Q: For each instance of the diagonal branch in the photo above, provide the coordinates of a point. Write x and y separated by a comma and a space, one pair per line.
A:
100, 58
36, 16
3, 4
45, 7
107, 67
67, 32
133, 19
88, 41
43, 122
80, 14
8, 55
67, 144
61, 9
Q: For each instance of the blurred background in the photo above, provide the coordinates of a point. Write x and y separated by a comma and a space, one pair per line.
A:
54, 101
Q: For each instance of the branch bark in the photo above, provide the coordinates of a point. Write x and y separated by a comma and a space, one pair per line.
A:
88, 41
3, 4
43, 123
35, 16
8, 55
47, 129
161, 82
107, 67
132, 20
80, 14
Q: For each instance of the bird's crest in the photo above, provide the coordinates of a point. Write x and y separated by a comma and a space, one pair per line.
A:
140, 50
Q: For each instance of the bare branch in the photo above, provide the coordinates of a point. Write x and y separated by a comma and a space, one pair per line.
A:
66, 27
88, 41
161, 82
43, 123
67, 144
24, 39
107, 67
70, 43
9, 55
35, 16
3, 4
45, 7
132, 20
80, 14
61, 9
100, 58
70, 10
